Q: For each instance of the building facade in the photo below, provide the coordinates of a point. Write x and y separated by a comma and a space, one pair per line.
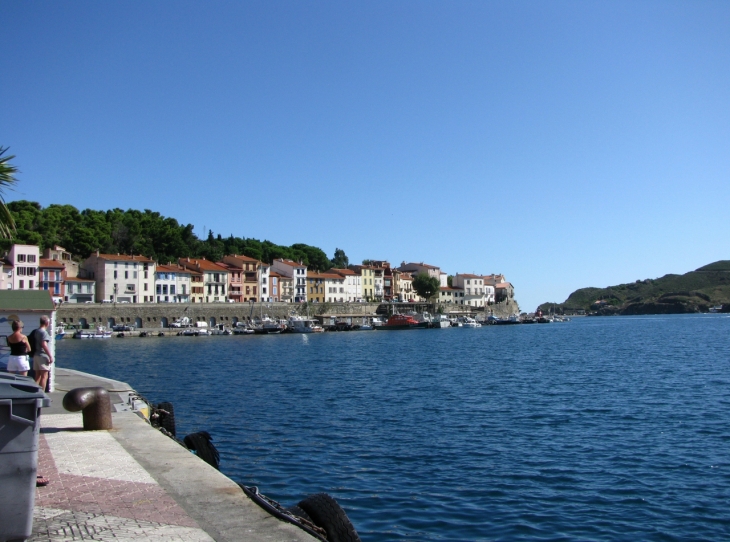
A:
120, 278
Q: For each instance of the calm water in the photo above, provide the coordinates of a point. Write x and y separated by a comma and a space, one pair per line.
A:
600, 428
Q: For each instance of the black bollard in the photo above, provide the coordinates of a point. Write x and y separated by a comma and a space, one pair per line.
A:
94, 404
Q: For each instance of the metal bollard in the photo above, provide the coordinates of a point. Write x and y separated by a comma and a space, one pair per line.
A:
95, 405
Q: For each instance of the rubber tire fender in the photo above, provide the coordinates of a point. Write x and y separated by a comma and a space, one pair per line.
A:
326, 513
167, 418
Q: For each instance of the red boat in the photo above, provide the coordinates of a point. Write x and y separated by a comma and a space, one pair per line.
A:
400, 321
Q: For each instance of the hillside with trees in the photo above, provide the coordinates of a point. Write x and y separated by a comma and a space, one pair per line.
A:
696, 291
142, 232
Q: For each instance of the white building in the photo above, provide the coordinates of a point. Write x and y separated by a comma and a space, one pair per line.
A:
121, 278
334, 287
353, 288
295, 271
79, 290
473, 288
264, 277
172, 284
24, 260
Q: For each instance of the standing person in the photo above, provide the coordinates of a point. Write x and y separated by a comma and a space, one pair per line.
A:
43, 357
19, 348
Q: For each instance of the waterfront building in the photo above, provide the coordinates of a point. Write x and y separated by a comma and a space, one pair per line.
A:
504, 291
215, 278
316, 288
247, 277
263, 277
405, 287
60, 254
51, 277
23, 260
494, 279
197, 291
334, 286
472, 287
296, 271
367, 277
450, 295
415, 268
120, 278
353, 288
172, 284
280, 287
6, 275
79, 290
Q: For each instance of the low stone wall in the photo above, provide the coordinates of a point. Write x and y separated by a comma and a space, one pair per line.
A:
158, 315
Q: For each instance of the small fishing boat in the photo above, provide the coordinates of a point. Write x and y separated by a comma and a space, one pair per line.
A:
400, 321
468, 321
98, 333
440, 321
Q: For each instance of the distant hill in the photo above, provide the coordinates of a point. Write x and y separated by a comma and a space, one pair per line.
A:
696, 291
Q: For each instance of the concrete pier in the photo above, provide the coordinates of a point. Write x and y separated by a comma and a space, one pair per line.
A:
133, 482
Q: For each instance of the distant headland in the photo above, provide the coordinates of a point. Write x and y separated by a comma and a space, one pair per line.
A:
706, 289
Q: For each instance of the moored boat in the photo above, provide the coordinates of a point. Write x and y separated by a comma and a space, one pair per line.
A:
399, 321
98, 333
297, 324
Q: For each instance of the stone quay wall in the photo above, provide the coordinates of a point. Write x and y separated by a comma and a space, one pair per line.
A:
161, 315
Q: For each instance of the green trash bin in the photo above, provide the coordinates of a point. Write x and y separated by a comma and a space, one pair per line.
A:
21, 401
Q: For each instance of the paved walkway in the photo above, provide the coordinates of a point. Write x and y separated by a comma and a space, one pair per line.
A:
134, 483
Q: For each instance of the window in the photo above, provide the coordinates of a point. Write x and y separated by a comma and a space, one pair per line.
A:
126, 274
145, 285
159, 289
134, 274
273, 290
172, 289
45, 286
56, 288
21, 284
30, 284
20, 258
31, 258
45, 274
115, 273
57, 275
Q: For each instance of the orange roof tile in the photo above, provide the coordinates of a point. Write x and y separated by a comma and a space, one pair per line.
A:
124, 258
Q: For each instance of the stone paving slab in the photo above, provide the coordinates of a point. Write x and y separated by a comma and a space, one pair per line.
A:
133, 483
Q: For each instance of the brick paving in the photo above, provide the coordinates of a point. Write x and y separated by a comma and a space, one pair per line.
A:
99, 492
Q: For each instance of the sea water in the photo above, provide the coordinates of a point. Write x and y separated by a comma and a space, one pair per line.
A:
613, 428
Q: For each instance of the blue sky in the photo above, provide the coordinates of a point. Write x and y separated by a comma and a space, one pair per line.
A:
564, 144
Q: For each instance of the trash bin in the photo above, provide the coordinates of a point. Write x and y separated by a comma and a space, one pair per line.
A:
20, 408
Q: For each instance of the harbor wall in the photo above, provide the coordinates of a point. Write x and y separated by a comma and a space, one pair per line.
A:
161, 315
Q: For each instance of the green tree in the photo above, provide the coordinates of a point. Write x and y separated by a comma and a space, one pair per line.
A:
7, 180
340, 259
426, 286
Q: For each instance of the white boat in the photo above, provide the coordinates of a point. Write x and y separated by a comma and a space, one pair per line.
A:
468, 321
220, 329
60, 332
297, 324
242, 329
268, 326
440, 321
377, 321
98, 333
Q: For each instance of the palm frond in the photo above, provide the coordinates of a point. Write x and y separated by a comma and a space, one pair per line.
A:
7, 180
